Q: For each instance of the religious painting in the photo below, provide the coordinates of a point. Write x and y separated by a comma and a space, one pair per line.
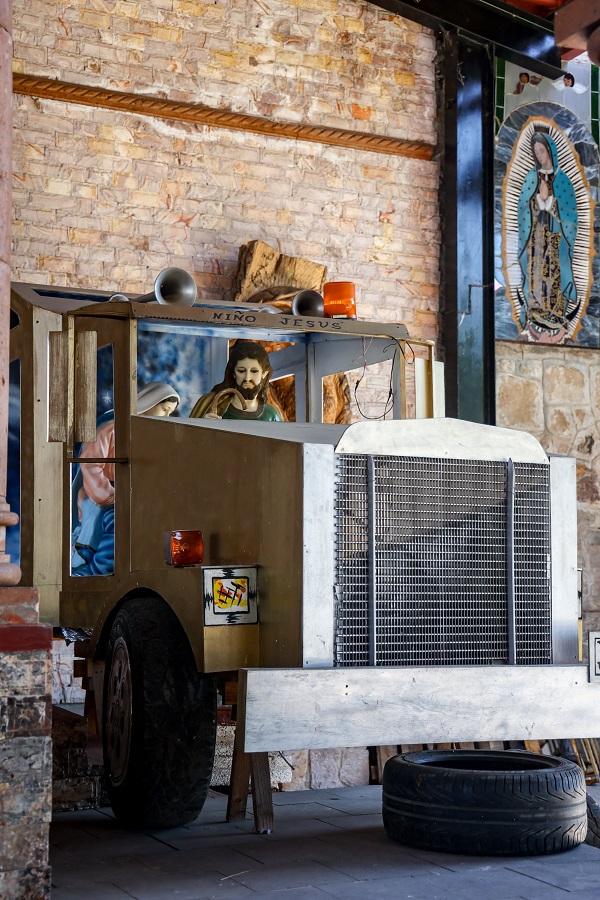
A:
546, 267
573, 89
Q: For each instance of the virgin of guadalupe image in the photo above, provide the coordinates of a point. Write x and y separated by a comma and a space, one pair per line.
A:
548, 223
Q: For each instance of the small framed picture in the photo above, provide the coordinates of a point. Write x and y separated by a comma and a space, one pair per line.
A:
229, 595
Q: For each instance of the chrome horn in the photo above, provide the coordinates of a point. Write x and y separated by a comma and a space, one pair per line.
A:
172, 286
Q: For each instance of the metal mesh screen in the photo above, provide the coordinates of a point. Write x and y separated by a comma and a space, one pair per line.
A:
532, 564
440, 594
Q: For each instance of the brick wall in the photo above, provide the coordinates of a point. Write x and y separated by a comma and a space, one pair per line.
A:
554, 393
341, 63
108, 199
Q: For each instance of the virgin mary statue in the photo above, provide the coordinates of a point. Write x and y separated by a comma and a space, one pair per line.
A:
547, 231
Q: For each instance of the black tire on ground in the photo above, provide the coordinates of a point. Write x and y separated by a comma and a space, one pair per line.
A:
484, 802
593, 817
159, 719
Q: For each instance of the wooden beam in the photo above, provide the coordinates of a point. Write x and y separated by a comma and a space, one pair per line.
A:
301, 709
50, 89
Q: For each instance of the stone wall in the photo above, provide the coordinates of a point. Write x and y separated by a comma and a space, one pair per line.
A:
25, 748
554, 393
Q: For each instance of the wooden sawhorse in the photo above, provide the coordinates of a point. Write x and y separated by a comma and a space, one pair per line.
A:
246, 769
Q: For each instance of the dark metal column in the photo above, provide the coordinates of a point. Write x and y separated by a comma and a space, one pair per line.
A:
468, 215
471, 32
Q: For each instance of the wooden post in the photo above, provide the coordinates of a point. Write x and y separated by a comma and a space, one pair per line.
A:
245, 766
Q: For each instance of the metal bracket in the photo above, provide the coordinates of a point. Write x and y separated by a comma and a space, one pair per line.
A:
594, 656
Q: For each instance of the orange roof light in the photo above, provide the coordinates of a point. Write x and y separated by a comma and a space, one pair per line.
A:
184, 548
339, 299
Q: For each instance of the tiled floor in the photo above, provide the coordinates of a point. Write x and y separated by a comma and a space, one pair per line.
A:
326, 844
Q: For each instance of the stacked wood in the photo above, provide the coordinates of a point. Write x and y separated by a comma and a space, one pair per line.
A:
261, 266
265, 276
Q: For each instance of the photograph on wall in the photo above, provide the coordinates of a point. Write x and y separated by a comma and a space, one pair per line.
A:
546, 185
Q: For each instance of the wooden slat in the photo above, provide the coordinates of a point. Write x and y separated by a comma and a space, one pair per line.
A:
575, 749
57, 387
79, 668
86, 350
262, 797
239, 784
245, 765
593, 764
387, 751
230, 693
80, 648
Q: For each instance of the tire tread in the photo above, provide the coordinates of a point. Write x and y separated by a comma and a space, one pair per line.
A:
514, 812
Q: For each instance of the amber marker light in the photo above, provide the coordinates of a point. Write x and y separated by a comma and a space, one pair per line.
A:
184, 548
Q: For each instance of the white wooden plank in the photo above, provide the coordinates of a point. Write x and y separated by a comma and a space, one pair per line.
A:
298, 709
423, 392
563, 530
317, 558
439, 395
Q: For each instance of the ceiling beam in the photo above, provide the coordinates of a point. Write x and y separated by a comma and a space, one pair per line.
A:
577, 27
520, 37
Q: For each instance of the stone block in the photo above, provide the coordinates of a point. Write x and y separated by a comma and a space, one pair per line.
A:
25, 673
505, 365
588, 488
300, 780
25, 777
29, 883
325, 768
65, 687
24, 717
531, 368
559, 421
74, 793
22, 846
338, 767
520, 403
354, 766
564, 384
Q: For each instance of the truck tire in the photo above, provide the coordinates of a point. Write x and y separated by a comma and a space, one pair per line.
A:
484, 802
159, 719
593, 817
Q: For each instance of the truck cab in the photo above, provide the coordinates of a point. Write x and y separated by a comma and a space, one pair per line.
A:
258, 496
385, 544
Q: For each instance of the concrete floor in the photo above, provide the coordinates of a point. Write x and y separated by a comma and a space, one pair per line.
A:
327, 843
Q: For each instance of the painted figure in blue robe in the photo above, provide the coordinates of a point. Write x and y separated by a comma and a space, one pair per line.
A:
547, 230
94, 486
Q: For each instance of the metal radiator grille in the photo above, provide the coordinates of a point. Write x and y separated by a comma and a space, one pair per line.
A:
532, 564
440, 562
